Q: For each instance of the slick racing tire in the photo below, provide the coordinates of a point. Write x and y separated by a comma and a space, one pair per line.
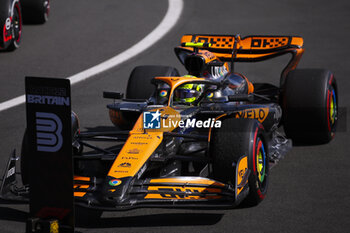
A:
35, 11
11, 29
139, 84
310, 106
235, 138
140, 87
76, 148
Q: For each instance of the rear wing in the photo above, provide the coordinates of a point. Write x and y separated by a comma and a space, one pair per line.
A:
251, 48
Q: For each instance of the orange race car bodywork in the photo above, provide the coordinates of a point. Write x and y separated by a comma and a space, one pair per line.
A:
141, 168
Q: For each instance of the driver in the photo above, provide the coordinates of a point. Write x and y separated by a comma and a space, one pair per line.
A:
188, 93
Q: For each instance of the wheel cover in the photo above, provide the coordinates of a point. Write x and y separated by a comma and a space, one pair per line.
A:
260, 161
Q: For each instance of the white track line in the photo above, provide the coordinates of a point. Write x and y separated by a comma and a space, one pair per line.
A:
170, 19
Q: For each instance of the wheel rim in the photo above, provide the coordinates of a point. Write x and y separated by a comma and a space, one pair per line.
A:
260, 162
16, 24
333, 108
46, 9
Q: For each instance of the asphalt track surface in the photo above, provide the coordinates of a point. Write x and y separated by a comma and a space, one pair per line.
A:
308, 190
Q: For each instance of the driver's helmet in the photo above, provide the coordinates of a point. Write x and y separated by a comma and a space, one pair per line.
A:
188, 92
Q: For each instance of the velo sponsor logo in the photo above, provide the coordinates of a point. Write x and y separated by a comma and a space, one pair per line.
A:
48, 132
151, 120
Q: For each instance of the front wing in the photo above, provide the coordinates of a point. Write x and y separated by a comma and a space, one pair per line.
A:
178, 192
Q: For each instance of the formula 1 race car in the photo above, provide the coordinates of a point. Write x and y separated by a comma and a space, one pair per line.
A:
13, 13
207, 139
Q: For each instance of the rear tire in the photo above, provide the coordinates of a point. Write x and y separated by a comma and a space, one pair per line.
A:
309, 102
35, 11
235, 138
140, 87
139, 84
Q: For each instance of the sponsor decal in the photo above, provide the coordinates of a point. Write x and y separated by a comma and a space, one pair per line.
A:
254, 113
48, 132
139, 143
121, 171
218, 72
242, 172
129, 158
124, 165
8, 24
52, 91
48, 95
147, 136
163, 93
210, 95
11, 172
133, 151
186, 192
46, 99
269, 42
115, 182
216, 41
183, 193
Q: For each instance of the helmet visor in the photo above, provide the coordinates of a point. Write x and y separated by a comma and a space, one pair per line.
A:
185, 93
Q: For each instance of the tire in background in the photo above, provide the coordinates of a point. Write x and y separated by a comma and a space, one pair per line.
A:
35, 11
139, 83
309, 102
140, 87
235, 138
16, 27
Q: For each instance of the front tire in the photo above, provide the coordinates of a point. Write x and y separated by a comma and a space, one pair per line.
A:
236, 138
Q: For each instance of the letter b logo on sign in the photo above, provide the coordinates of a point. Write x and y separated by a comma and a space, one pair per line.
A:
48, 132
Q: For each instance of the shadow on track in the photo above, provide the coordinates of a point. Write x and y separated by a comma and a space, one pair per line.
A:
10, 214
155, 220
